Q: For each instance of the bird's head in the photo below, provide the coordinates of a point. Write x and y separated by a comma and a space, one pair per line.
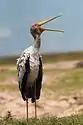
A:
36, 29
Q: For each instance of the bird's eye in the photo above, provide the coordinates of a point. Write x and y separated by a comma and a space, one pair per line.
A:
33, 28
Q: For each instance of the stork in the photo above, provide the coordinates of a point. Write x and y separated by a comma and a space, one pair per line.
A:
29, 66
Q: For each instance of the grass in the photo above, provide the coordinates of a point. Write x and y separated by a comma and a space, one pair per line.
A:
59, 81
8, 87
63, 81
47, 57
65, 56
72, 120
5, 74
7, 77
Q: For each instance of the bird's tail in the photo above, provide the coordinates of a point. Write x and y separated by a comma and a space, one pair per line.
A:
30, 93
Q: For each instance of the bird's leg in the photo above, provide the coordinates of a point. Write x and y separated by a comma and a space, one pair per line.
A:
27, 108
35, 102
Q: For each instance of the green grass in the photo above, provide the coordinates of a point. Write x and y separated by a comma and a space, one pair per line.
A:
55, 57
9, 87
71, 78
63, 81
8, 60
47, 57
5, 74
72, 120
6, 79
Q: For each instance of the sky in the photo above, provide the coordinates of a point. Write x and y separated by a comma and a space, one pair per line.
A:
17, 16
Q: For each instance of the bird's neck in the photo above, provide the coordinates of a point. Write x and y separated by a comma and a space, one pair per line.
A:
37, 42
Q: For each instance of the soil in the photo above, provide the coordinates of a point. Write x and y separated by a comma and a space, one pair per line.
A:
63, 106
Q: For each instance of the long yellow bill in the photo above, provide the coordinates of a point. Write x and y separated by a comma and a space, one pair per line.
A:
48, 20
48, 29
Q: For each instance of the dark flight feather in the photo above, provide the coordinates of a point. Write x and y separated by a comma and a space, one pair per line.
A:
30, 91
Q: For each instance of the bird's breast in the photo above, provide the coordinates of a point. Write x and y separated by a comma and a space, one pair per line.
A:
34, 68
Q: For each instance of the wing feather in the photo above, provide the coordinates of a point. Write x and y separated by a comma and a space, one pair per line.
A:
38, 83
39, 79
23, 68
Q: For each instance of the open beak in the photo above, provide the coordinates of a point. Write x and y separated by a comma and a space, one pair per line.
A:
46, 21
48, 29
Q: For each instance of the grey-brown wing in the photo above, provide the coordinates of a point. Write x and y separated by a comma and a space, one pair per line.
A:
23, 71
39, 79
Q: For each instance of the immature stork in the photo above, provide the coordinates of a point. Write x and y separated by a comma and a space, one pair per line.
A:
29, 65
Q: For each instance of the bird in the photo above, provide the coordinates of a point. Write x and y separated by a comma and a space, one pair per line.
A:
30, 66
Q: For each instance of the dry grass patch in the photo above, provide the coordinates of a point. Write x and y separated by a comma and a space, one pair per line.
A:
8, 87
63, 82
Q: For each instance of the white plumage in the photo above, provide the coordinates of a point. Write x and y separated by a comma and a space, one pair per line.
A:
33, 75
34, 55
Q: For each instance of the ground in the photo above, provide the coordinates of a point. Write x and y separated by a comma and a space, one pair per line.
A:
53, 101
